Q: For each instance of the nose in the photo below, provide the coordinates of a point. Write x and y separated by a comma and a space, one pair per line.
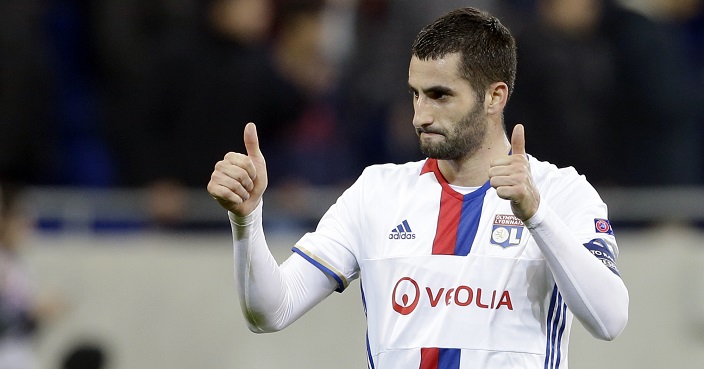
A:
422, 114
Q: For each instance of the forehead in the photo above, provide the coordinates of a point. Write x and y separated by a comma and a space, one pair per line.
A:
444, 71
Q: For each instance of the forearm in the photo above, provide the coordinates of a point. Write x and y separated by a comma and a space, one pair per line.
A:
595, 295
271, 296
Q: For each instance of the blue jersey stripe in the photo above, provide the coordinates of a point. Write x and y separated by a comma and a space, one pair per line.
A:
559, 335
559, 320
472, 205
556, 324
549, 328
370, 359
341, 284
449, 358
469, 224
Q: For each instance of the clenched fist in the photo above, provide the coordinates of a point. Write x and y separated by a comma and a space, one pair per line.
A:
239, 180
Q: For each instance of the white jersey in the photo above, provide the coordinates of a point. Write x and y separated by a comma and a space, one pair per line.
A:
450, 280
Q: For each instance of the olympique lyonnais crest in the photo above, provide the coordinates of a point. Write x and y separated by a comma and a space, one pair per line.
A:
507, 230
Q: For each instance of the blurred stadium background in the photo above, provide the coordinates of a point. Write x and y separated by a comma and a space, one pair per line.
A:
113, 112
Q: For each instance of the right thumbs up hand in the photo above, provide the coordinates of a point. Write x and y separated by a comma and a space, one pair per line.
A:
238, 181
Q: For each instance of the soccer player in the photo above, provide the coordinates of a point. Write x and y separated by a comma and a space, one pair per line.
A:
477, 257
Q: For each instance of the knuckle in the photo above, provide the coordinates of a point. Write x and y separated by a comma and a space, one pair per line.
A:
233, 157
233, 198
221, 165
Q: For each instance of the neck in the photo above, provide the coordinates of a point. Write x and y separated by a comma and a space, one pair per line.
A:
473, 170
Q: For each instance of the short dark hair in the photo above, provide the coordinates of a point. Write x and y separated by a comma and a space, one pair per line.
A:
487, 48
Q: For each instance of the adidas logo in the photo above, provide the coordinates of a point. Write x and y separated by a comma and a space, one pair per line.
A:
402, 232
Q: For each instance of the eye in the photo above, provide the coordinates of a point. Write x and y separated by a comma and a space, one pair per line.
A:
436, 95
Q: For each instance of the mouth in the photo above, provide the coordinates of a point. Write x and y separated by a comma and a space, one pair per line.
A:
421, 132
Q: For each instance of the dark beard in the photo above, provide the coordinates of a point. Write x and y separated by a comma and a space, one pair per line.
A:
461, 141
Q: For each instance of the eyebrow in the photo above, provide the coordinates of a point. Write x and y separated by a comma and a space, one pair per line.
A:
443, 90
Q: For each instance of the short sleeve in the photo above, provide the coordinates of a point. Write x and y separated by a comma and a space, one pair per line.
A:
333, 246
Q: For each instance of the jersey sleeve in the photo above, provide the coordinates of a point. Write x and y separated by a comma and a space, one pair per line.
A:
572, 231
333, 246
575, 201
271, 296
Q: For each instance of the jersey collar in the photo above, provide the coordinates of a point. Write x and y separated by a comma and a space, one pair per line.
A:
431, 166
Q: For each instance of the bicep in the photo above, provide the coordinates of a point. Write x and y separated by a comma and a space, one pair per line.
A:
307, 285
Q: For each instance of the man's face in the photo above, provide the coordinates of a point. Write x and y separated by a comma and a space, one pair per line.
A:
449, 121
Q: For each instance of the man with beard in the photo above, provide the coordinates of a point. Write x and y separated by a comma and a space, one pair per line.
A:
477, 257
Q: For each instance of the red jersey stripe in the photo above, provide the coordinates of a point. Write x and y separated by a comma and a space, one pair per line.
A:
448, 221
429, 358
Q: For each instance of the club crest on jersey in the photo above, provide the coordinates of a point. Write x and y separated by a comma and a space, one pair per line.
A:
507, 230
603, 226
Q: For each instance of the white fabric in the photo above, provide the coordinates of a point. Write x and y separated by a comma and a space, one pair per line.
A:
497, 303
272, 297
591, 294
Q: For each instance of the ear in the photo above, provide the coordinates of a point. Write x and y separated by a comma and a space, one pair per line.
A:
496, 97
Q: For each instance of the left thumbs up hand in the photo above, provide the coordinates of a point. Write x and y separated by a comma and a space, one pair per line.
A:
510, 176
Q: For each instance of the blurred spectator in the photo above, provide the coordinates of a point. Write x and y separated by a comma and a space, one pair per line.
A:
661, 10
324, 80
684, 17
21, 308
131, 36
82, 157
60, 61
132, 39
661, 118
693, 24
27, 152
609, 91
312, 149
193, 106
88, 355
567, 90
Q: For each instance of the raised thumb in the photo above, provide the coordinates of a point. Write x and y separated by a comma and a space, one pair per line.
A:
251, 141
518, 140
